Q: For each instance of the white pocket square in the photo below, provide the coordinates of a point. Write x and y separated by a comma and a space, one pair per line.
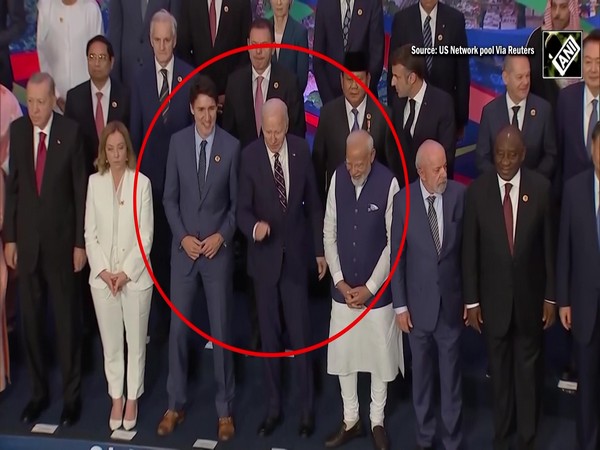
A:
372, 208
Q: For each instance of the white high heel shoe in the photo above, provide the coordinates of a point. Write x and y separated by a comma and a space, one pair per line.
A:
130, 424
115, 424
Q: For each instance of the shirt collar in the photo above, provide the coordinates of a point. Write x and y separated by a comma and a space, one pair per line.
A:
425, 193
209, 139
105, 89
432, 14
418, 98
169, 66
361, 107
266, 74
589, 97
46, 129
515, 181
282, 152
510, 103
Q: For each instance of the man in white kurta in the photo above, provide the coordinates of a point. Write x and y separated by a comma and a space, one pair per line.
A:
356, 238
63, 29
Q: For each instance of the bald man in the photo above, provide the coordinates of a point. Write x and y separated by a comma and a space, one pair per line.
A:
427, 291
356, 238
508, 282
279, 212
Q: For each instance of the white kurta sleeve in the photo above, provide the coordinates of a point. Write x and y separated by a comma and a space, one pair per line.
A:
330, 235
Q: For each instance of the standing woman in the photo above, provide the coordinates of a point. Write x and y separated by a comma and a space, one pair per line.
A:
288, 31
120, 284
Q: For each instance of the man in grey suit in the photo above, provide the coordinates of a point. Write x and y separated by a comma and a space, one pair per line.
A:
129, 33
200, 199
427, 291
528, 112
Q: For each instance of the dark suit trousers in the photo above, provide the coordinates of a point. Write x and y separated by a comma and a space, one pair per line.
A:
292, 294
588, 391
57, 284
515, 368
423, 345
215, 277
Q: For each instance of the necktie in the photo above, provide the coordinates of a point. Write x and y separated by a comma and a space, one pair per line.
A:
202, 167
433, 224
355, 125
508, 215
591, 125
515, 118
164, 93
41, 162
258, 104
428, 42
346, 25
411, 117
144, 7
212, 20
99, 114
280, 183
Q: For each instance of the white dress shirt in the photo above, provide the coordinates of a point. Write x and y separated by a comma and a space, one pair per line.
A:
36, 139
361, 113
520, 115
418, 98
218, 5
344, 7
63, 32
587, 110
432, 21
264, 85
105, 102
159, 77
382, 269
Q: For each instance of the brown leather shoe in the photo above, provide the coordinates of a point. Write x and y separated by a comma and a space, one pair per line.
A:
169, 421
380, 440
342, 436
226, 428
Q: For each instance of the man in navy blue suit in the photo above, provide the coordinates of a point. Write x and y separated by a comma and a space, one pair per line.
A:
347, 26
427, 291
200, 199
578, 289
279, 211
154, 82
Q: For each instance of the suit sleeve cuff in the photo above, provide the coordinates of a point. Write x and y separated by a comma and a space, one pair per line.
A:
472, 305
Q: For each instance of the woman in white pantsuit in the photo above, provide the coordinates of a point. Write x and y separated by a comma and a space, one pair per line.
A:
120, 284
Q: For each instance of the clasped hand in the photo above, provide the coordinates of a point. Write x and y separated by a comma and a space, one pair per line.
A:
209, 247
114, 281
355, 297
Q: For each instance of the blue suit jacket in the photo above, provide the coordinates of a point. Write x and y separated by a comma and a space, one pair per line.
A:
422, 280
130, 35
294, 34
365, 35
578, 258
144, 104
290, 231
186, 211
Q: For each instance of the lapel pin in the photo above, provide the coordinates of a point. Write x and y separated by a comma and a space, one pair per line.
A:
525, 198
226, 8
368, 122
179, 79
359, 12
293, 154
60, 19
532, 112
58, 141
276, 85
114, 104
122, 202
440, 37
217, 158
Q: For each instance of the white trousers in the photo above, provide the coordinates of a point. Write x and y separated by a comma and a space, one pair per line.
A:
349, 388
129, 312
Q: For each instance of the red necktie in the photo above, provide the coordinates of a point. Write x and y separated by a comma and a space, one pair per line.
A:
41, 162
212, 20
508, 215
99, 115
258, 104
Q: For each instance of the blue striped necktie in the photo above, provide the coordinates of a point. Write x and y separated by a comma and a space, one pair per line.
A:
428, 42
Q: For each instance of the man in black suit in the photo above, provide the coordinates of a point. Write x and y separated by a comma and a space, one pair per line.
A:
347, 26
245, 95
99, 100
529, 113
421, 111
209, 28
12, 26
578, 289
352, 111
508, 282
43, 229
430, 23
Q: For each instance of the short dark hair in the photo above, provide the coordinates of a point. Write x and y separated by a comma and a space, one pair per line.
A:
261, 24
413, 63
203, 85
103, 40
593, 36
596, 132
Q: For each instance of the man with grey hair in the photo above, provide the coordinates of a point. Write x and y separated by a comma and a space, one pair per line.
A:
426, 291
279, 212
356, 237
154, 83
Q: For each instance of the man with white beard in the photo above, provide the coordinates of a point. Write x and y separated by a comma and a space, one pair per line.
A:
356, 234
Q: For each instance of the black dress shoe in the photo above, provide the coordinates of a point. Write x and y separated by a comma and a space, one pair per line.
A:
33, 410
307, 426
380, 439
269, 425
70, 414
342, 435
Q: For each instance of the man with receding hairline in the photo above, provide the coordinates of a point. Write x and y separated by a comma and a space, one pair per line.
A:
508, 282
427, 291
356, 238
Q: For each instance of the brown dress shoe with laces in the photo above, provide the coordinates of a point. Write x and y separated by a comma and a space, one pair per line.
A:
169, 421
226, 428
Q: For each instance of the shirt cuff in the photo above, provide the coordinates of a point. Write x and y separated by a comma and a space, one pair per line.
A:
371, 286
254, 232
550, 301
472, 305
337, 277
401, 310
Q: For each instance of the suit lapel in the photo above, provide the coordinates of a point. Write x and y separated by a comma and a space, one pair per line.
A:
223, 25
214, 165
267, 171
338, 34
421, 118
416, 20
528, 117
107, 192
53, 152
189, 161
495, 208
448, 213
524, 210
29, 143
368, 119
294, 171
440, 27
578, 116
421, 219
114, 105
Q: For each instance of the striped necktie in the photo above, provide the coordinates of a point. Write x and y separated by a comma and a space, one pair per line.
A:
164, 93
433, 223
280, 182
428, 42
346, 26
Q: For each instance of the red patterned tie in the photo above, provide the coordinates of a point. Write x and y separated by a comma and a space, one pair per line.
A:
41, 162
212, 20
508, 216
258, 104
99, 115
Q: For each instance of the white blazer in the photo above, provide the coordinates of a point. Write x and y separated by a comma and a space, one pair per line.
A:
99, 228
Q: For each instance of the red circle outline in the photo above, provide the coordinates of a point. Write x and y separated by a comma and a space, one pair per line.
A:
135, 218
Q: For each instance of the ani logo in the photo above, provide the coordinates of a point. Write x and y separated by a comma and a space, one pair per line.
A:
562, 54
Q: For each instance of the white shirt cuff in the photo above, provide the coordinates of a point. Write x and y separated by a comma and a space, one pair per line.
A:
254, 232
550, 301
401, 310
372, 287
337, 277
472, 305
